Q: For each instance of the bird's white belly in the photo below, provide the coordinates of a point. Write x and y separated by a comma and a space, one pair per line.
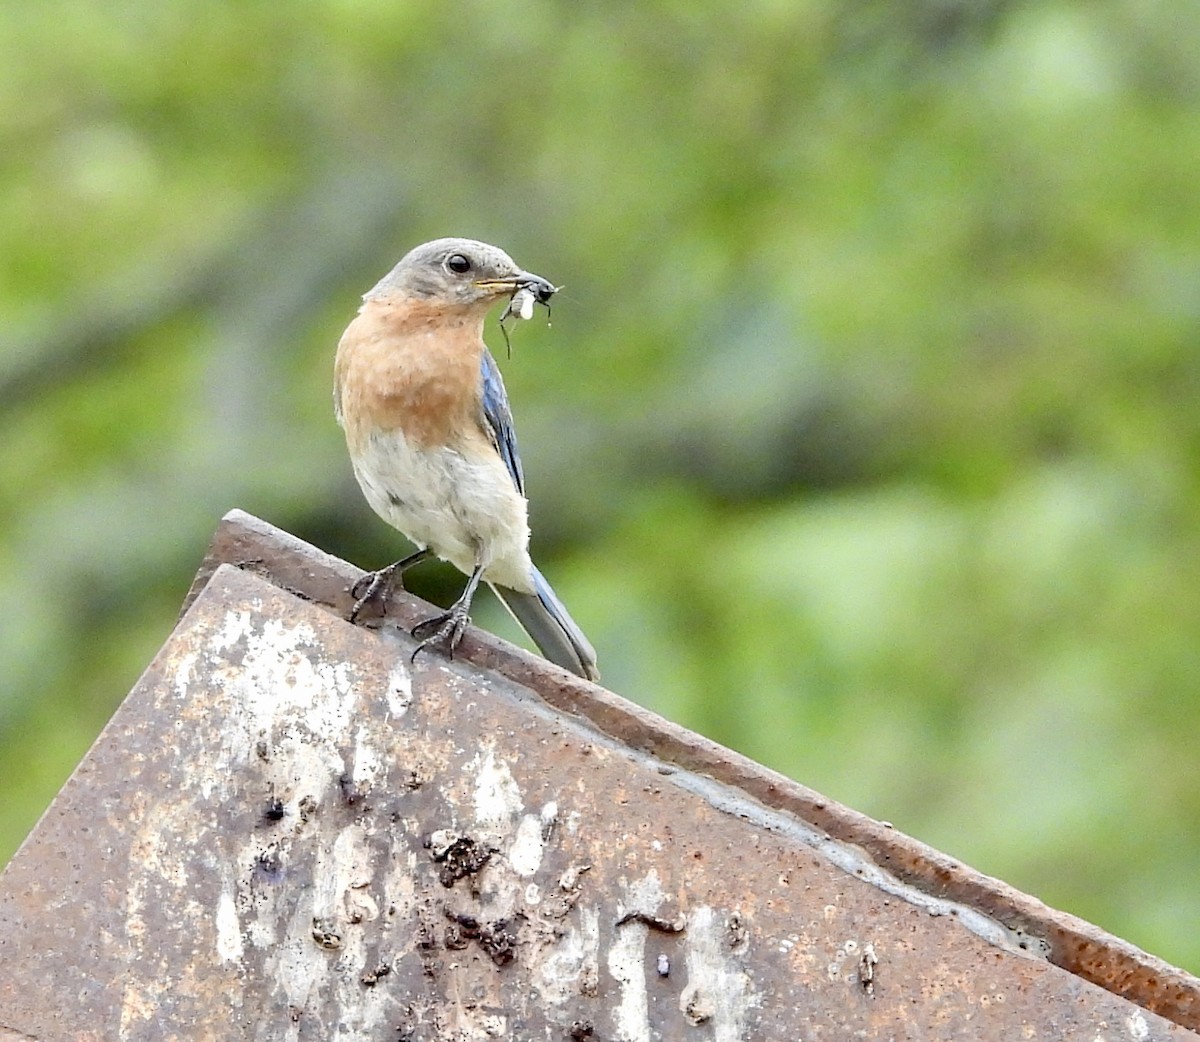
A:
462, 507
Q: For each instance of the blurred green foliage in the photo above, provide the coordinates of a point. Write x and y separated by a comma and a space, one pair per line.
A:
864, 439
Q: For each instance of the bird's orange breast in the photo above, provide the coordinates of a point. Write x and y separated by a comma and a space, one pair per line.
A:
409, 366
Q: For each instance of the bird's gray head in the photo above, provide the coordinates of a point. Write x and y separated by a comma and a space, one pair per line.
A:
464, 272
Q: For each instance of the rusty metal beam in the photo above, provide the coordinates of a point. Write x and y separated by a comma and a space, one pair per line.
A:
289, 831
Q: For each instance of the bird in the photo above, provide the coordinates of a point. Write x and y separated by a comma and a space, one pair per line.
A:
431, 440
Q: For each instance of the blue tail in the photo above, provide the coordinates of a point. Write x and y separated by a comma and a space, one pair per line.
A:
550, 626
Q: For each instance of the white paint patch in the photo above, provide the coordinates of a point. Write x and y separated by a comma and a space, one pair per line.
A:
278, 694
399, 689
631, 1016
1138, 1028
299, 967
557, 979
571, 967
283, 716
525, 853
627, 961
369, 765
718, 992
229, 930
259, 891
400, 875
497, 797
234, 627
645, 894
338, 870
589, 931
343, 881
184, 674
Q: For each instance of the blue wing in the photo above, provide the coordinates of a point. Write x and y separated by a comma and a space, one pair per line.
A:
497, 417
541, 613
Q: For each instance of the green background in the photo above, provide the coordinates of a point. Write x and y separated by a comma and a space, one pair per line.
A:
863, 440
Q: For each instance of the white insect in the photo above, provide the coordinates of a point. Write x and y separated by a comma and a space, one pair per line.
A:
521, 304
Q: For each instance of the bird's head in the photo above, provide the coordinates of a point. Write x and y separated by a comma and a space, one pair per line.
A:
461, 272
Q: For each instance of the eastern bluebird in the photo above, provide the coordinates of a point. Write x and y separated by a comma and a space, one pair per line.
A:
431, 437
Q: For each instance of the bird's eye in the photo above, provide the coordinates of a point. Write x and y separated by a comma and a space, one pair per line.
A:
458, 264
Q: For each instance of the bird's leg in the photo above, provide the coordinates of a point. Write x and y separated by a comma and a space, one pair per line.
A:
448, 627
379, 584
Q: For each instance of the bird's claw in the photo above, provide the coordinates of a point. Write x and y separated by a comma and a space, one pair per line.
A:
374, 586
381, 584
446, 629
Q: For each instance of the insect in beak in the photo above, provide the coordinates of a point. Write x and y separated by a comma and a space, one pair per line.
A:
534, 291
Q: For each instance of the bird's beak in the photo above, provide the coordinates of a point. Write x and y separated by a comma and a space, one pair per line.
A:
541, 289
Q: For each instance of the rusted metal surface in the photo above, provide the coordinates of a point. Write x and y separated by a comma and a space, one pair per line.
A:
289, 831
1071, 943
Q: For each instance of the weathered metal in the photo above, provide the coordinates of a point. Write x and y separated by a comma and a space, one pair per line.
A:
291, 831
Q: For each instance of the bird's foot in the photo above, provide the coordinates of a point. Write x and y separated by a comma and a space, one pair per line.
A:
378, 586
373, 586
446, 629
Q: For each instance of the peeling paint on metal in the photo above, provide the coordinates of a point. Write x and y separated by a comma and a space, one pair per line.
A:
718, 990
1137, 1026
369, 766
497, 798
717, 978
525, 853
564, 971
398, 691
627, 960
280, 696
229, 930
